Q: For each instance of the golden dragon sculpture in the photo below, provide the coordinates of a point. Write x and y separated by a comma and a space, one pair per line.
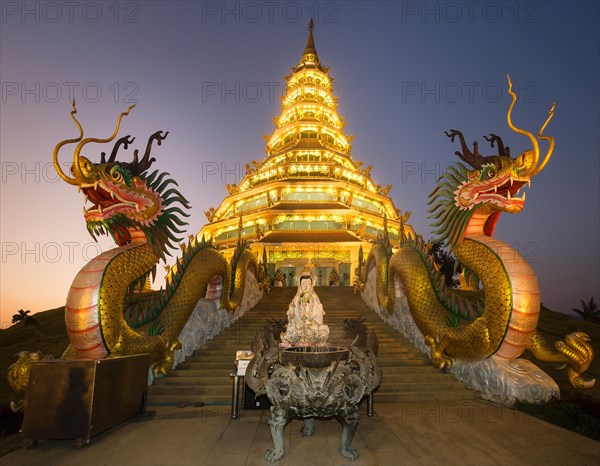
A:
501, 320
142, 212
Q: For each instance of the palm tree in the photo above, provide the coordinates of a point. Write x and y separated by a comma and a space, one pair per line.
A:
22, 315
589, 311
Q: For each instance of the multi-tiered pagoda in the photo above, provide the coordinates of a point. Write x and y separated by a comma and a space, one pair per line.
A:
308, 199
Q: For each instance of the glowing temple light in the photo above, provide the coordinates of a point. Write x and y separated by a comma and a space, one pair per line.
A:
307, 143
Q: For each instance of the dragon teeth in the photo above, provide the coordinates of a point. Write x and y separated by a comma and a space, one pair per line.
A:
99, 208
524, 195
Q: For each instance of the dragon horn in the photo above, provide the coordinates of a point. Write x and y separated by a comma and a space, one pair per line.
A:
472, 158
142, 165
79, 175
65, 177
534, 142
124, 141
550, 140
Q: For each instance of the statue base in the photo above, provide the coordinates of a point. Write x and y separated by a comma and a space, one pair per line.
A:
504, 382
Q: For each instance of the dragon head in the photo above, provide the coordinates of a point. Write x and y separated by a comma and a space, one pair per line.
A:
490, 186
123, 196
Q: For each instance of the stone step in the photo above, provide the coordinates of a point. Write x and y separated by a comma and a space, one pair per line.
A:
384, 348
236, 340
196, 390
199, 373
383, 361
224, 381
404, 371
407, 374
229, 365
379, 397
431, 395
249, 333
174, 399
389, 377
224, 389
420, 386
222, 378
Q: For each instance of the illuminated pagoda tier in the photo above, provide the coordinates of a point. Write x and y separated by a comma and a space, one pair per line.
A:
308, 199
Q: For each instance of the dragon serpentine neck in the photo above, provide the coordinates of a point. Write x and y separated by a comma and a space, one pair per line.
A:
466, 205
141, 211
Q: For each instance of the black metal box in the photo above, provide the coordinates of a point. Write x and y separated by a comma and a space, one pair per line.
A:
82, 398
253, 402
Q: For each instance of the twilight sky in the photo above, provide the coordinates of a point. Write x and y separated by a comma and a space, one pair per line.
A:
211, 73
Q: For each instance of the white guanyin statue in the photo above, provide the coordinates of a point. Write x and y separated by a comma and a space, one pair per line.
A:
305, 315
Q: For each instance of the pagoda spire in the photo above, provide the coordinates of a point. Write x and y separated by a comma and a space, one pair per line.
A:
310, 58
310, 43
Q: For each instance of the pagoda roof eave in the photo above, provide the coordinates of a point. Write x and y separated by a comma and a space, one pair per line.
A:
304, 205
329, 183
278, 237
261, 214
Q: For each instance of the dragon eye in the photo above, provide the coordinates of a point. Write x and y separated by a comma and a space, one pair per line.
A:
121, 175
488, 171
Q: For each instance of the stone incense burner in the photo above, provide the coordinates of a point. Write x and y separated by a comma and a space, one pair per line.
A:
314, 381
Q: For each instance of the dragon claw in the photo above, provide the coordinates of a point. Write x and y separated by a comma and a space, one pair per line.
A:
165, 364
437, 353
175, 345
579, 354
577, 381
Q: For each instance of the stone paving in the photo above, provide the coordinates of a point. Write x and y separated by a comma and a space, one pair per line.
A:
466, 432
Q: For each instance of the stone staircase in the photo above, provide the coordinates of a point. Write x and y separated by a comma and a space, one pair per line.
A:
407, 374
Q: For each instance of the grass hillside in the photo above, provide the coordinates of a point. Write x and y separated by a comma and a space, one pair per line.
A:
48, 335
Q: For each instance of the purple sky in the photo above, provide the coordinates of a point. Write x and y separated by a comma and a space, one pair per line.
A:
207, 72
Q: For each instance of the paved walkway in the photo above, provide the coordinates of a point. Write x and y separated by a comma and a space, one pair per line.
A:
463, 432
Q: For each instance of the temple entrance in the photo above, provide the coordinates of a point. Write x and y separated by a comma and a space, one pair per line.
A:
323, 275
291, 275
345, 274
291, 269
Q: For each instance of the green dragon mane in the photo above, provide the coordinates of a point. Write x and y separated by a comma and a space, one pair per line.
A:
450, 221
